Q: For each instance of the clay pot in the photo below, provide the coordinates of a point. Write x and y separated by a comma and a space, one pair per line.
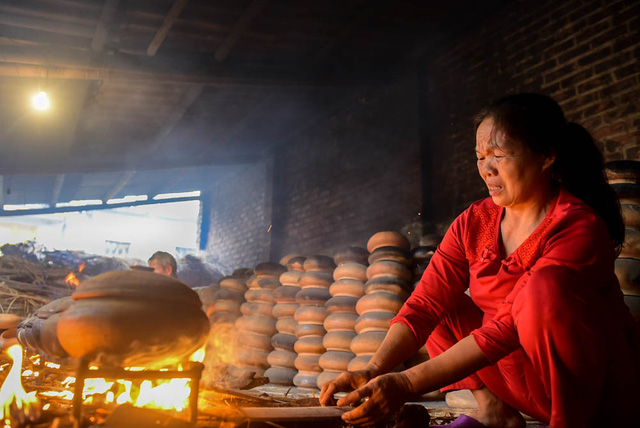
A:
390, 268
282, 358
351, 255
373, 321
308, 363
394, 254
367, 342
633, 303
326, 376
309, 345
133, 318
340, 321
269, 269
316, 279
303, 330
319, 263
286, 294
291, 278
338, 340
631, 246
229, 294
287, 325
284, 341
253, 357
379, 302
347, 287
287, 258
622, 171
8, 321
260, 324
283, 310
269, 283
335, 360
296, 264
313, 296
249, 309
310, 315
630, 215
389, 284
280, 375
8, 338
228, 306
628, 273
306, 380
388, 239
255, 340
360, 362
341, 304
350, 271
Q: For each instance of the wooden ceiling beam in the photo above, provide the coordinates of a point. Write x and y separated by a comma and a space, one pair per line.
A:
239, 28
57, 189
101, 32
85, 31
168, 22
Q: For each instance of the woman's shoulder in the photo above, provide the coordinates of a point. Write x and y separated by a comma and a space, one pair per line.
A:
570, 208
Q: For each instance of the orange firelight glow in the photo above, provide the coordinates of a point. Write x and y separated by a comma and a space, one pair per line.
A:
72, 280
15, 403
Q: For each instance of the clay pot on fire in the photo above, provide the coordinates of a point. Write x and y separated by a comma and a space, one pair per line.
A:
133, 318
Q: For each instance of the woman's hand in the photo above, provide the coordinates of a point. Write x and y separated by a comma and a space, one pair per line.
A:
346, 381
386, 394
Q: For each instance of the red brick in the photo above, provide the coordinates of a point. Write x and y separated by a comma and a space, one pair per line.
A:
573, 53
628, 83
614, 62
576, 78
628, 70
595, 56
594, 83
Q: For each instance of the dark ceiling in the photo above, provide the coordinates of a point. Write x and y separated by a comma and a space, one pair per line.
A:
153, 96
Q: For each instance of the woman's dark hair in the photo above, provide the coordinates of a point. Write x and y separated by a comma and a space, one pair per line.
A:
538, 122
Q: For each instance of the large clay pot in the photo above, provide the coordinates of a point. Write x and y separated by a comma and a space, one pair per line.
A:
622, 171
388, 239
351, 255
133, 318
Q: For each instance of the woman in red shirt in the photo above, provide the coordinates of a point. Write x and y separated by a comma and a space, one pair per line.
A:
544, 329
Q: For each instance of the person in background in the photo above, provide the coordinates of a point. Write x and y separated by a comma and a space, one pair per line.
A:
544, 330
163, 263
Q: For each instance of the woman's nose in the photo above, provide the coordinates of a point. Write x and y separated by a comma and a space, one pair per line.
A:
488, 167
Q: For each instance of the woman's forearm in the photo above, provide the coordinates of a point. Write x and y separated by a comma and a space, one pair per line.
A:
461, 360
398, 345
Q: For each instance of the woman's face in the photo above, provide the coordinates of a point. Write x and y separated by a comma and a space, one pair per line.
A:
514, 175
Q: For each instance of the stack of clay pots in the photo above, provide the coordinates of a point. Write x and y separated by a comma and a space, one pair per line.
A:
228, 299
257, 324
624, 177
313, 294
350, 276
388, 286
282, 359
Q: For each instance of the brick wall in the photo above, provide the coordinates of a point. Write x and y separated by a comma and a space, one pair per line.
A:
351, 176
240, 217
583, 53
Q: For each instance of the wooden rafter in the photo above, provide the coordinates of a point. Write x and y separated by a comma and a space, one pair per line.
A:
101, 32
168, 22
57, 188
239, 28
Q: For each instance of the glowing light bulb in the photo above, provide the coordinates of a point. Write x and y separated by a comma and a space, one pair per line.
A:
41, 101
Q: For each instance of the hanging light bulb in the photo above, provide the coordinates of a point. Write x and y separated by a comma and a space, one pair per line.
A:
41, 101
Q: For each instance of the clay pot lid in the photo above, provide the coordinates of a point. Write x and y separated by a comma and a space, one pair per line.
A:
269, 269
397, 254
8, 321
287, 258
296, 264
351, 255
242, 273
622, 171
291, 277
430, 240
133, 284
388, 239
54, 307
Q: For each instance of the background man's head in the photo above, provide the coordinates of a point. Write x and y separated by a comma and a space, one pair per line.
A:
163, 263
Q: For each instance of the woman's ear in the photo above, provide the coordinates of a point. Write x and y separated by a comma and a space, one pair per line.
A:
549, 161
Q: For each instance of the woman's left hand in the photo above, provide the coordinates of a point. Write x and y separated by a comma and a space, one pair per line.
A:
386, 394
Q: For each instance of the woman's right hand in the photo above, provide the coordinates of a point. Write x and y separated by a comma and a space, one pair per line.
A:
346, 381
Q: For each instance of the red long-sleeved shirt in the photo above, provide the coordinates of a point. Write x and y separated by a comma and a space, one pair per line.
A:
570, 235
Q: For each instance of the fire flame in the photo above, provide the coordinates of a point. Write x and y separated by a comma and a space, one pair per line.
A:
13, 396
81, 267
72, 280
169, 394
